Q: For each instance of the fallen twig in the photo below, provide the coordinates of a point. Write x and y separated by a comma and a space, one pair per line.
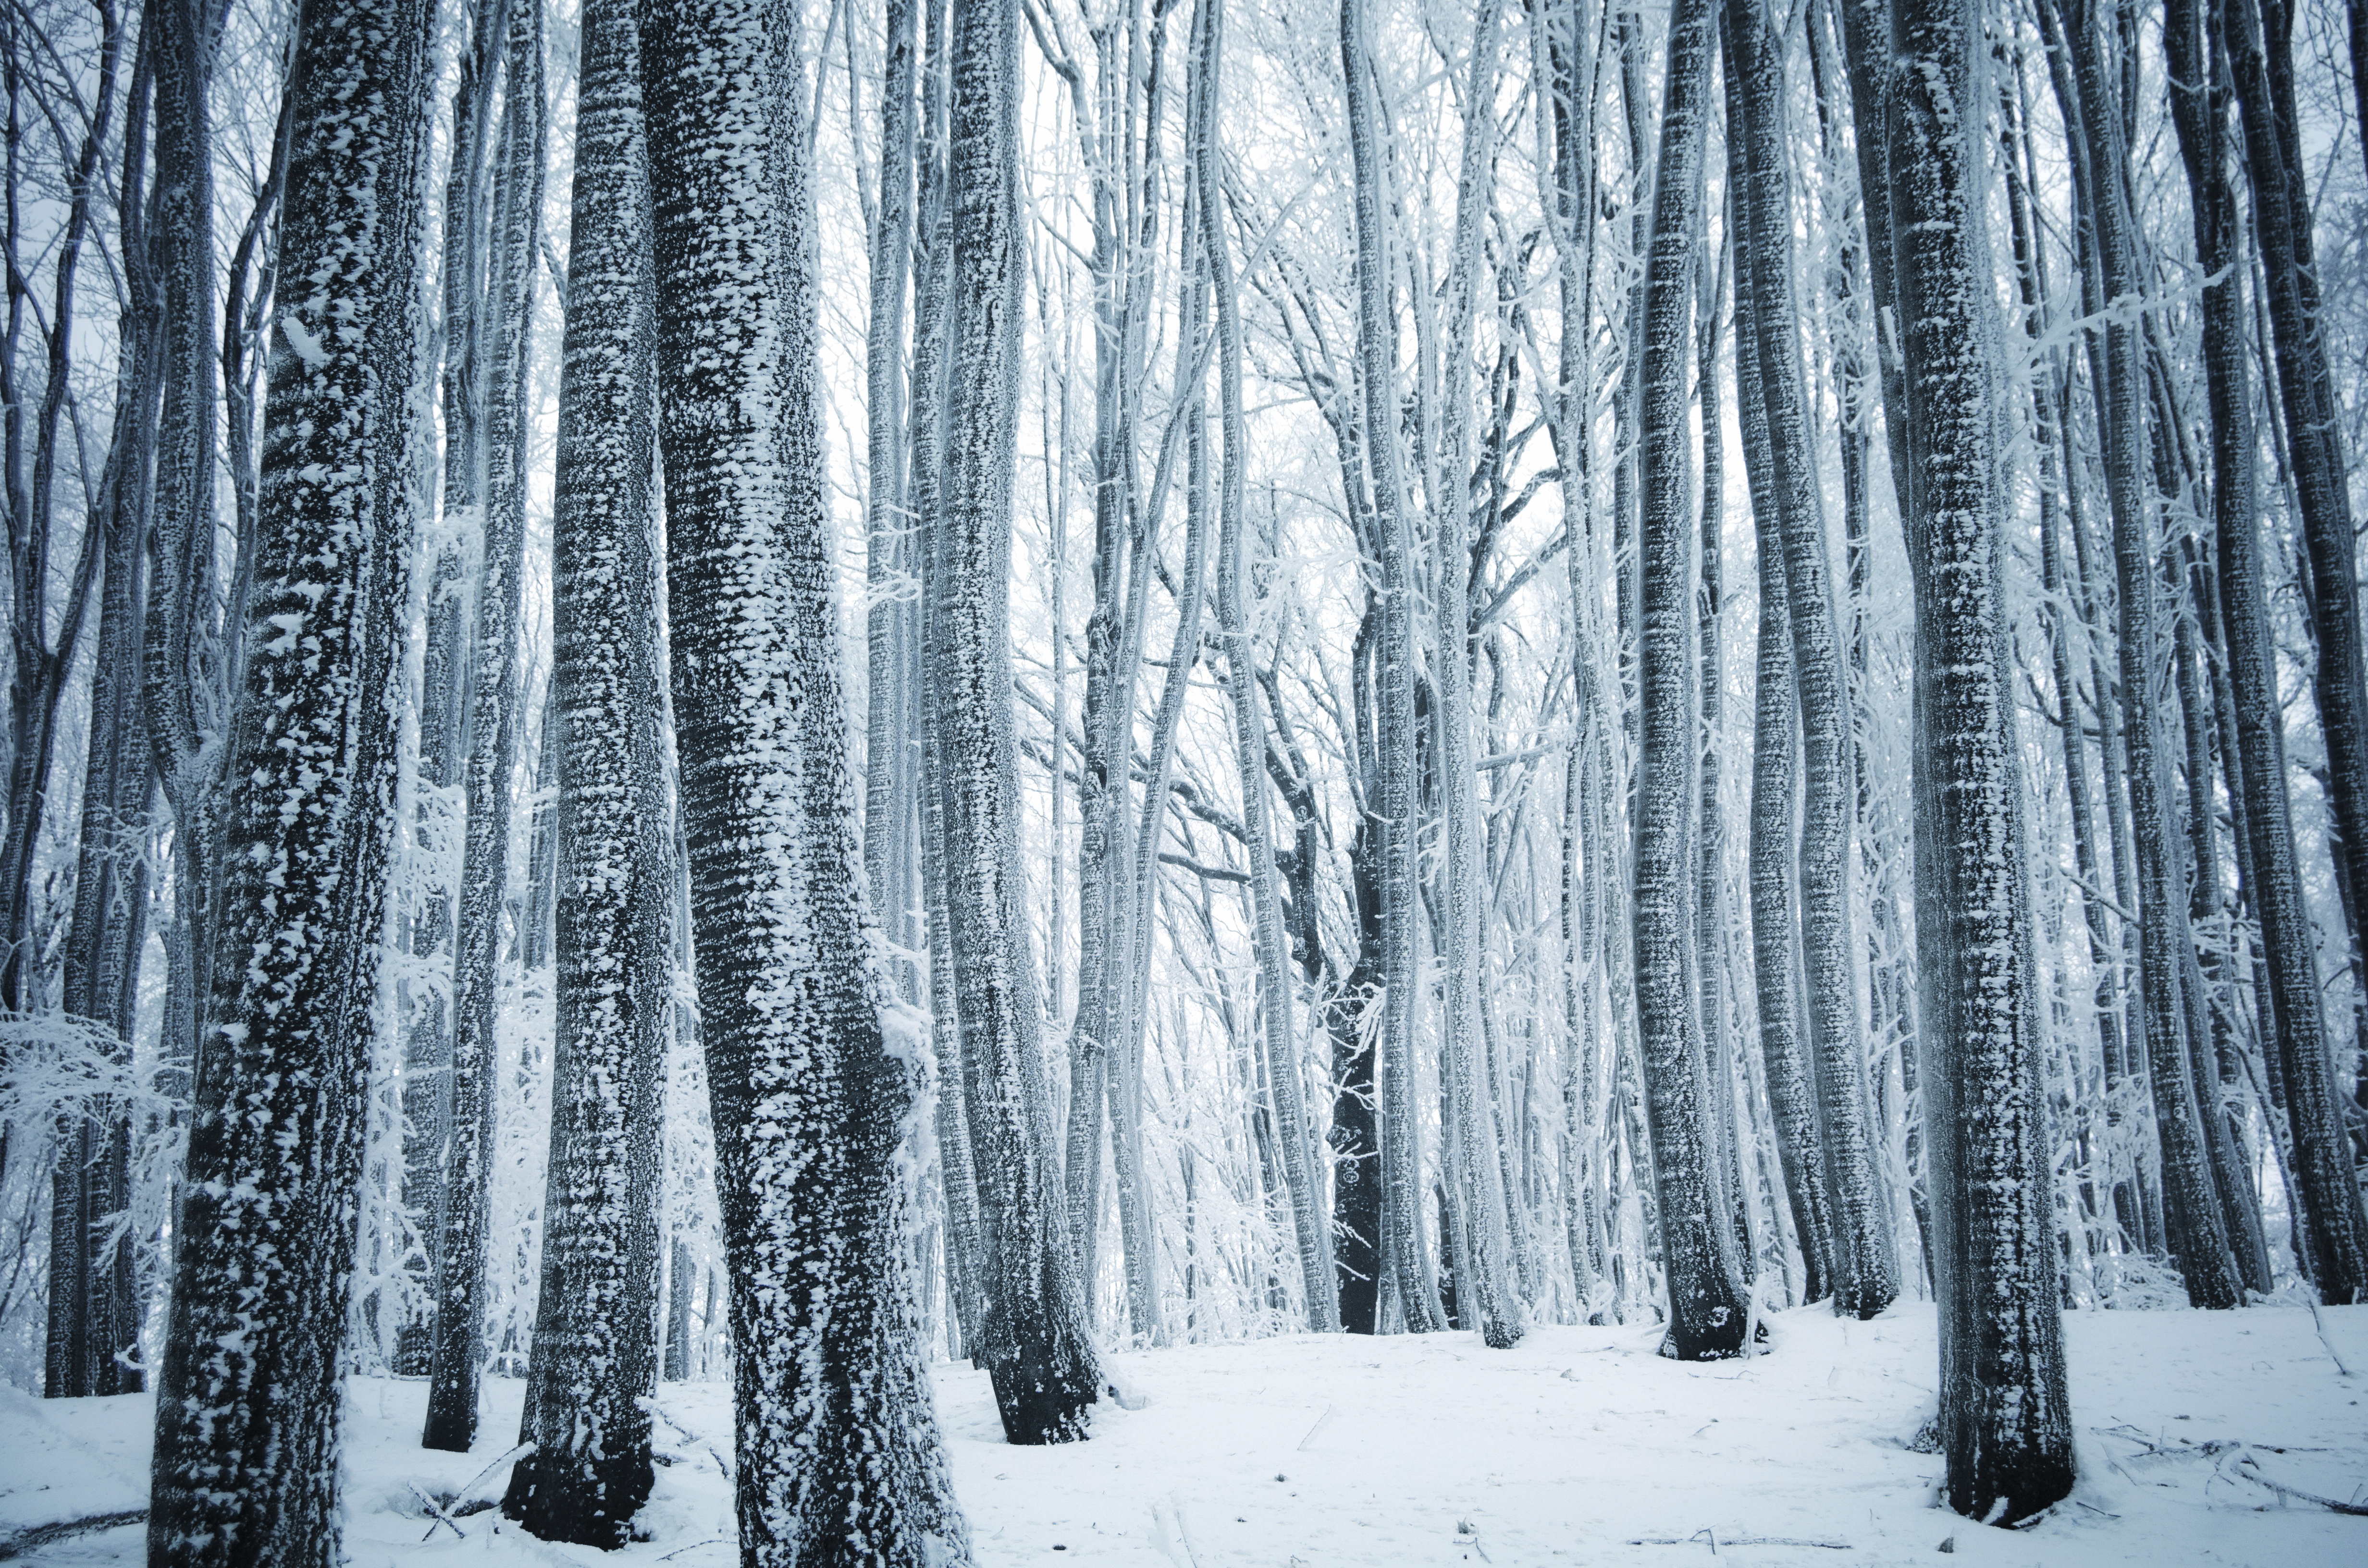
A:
2333, 1355
2250, 1469
25, 1541
1321, 1422
1711, 1537
466, 1494
436, 1515
694, 1546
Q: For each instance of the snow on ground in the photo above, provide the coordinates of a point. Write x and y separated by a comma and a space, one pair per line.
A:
1341, 1452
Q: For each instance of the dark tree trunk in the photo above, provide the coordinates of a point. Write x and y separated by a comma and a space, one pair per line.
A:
1033, 1337
248, 1413
839, 1457
2261, 71
2005, 1417
1865, 1257
596, 1323
1707, 1310
494, 731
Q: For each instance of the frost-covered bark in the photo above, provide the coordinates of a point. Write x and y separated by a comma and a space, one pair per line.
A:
1484, 1285
1707, 1310
2259, 46
930, 366
838, 1456
184, 668
444, 659
1866, 1266
594, 1359
1033, 1337
2199, 53
248, 1413
93, 1311
493, 728
2166, 944
1406, 1275
2005, 1419
890, 755
1302, 1174
1775, 782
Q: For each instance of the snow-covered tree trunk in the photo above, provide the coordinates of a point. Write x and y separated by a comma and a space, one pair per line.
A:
93, 1315
2166, 944
1707, 1311
1301, 1173
2005, 1418
890, 758
249, 1410
2200, 54
838, 1454
1866, 1263
2260, 48
1033, 1338
1485, 1293
493, 730
594, 1359
1775, 782
931, 363
451, 594
1406, 1275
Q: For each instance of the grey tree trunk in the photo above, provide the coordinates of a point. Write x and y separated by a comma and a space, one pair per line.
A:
248, 1413
595, 1355
1406, 1265
493, 728
2260, 55
2004, 1418
1775, 782
1485, 1296
2190, 1188
1865, 1253
1033, 1337
838, 1456
1302, 1174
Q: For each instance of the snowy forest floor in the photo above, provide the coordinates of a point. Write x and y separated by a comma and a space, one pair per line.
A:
1433, 1451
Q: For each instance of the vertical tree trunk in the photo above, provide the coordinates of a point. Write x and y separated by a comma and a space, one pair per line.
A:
1866, 1266
1404, 1261
594, 1360
493, 727
2005, 1420
1707, 1312
1775, 772
839, 1457
1302, 1175
2190, 1188
248, 1413
1034, 1337
2259, 50
1485, 1298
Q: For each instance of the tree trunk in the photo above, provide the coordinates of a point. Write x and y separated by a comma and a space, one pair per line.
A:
249, 1411
493, 700
1404, 1262
1035, 1338
1866, 1261
1707, 1311
594, 1361
840, 1459
2260, 49
2004, 1418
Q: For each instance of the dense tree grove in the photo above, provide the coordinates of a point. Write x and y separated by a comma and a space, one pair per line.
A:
760, 690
